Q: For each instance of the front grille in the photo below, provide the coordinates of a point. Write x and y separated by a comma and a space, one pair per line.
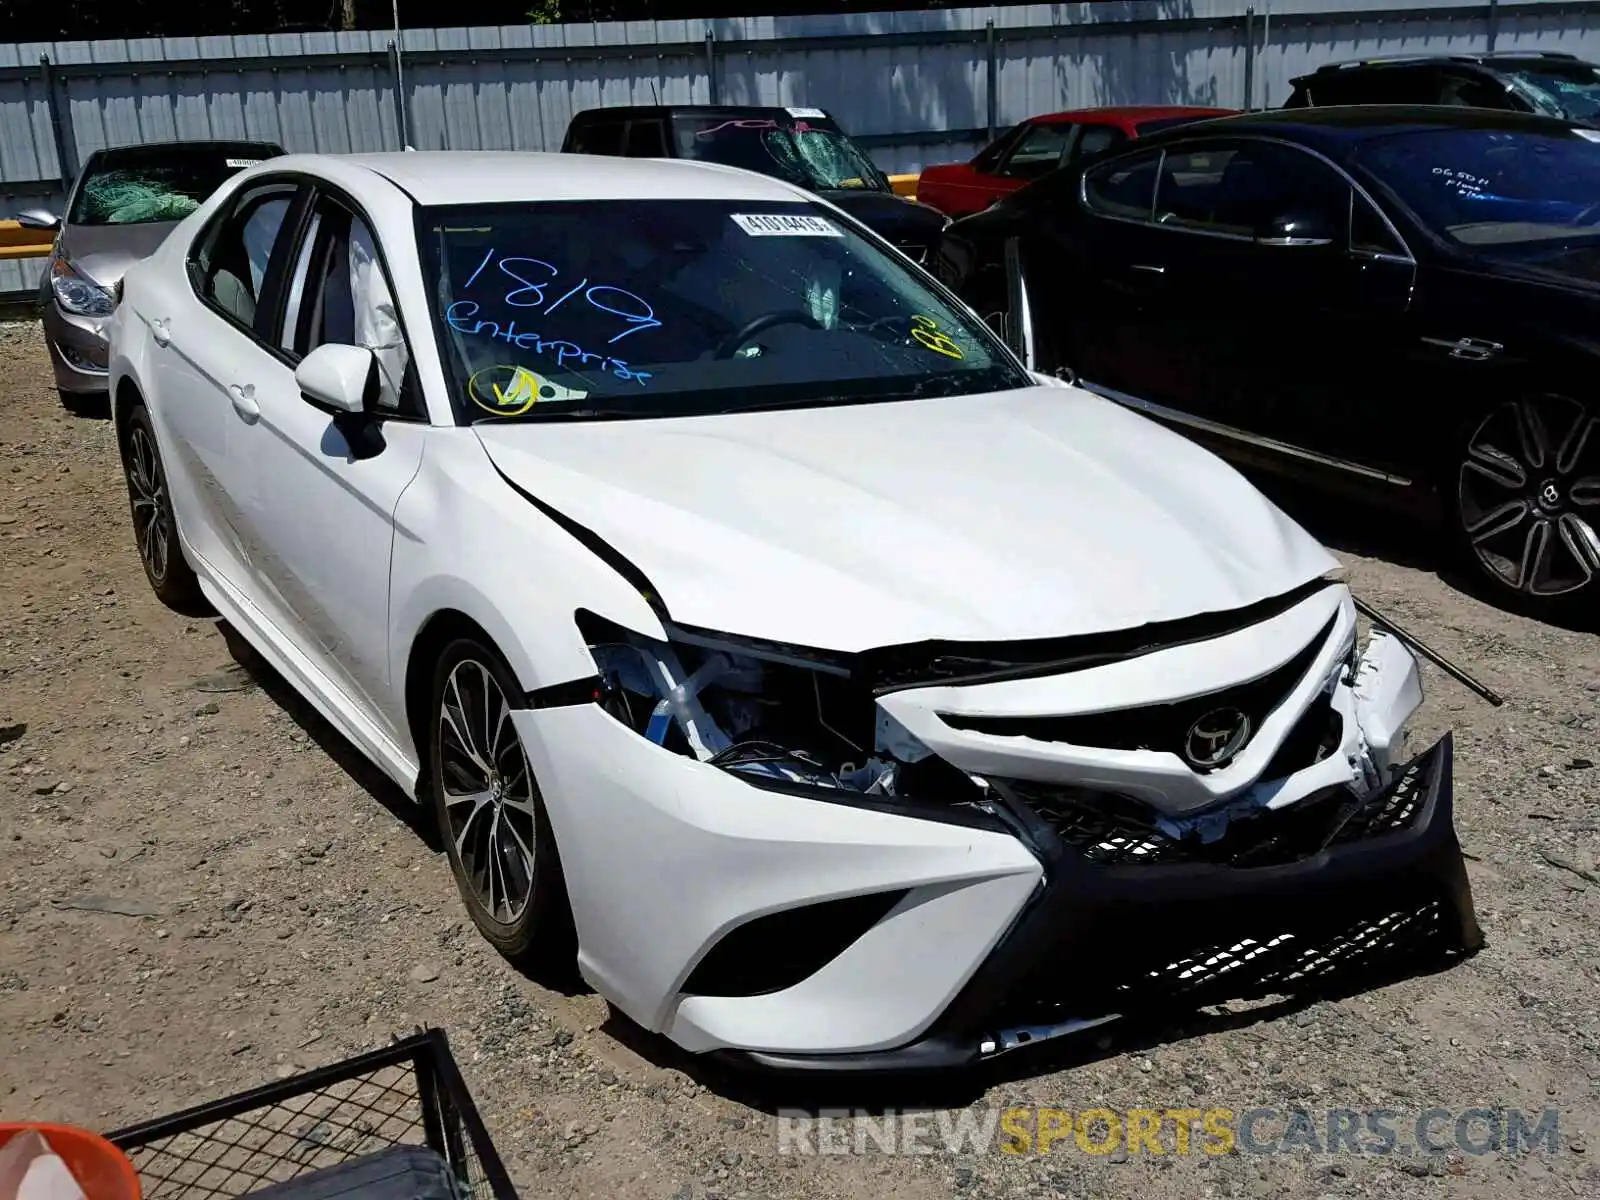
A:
1113, 830
1161, 727
1393, 812
1105, 829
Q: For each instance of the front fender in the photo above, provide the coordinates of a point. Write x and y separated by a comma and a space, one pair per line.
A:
467, 542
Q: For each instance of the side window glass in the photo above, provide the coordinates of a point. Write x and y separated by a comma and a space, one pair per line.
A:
231, 265
1239, 190
1466, 92
646, 139
1039, 152
345, 298
1125, 187
989, 158
1369, 233
1190, 182
599, 137
1097, 139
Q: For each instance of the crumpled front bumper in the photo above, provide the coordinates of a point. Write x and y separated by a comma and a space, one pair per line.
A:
1385, 893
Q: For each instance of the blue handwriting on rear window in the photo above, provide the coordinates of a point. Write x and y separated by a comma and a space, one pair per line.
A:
462, 316
635, 312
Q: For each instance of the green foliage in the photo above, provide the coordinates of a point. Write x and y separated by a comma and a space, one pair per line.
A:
545, 12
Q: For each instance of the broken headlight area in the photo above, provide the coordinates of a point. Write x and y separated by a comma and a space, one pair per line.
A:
773, 715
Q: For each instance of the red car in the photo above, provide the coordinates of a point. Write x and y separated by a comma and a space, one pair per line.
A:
1038, 146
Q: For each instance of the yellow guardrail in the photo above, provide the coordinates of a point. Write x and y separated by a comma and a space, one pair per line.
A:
905, 185
22, 241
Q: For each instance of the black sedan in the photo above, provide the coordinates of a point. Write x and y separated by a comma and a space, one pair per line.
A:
1402, 299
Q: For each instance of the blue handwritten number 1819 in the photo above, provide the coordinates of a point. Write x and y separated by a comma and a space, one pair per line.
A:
532, 295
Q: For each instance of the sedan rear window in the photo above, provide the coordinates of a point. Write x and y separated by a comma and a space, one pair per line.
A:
595, 309
166, 183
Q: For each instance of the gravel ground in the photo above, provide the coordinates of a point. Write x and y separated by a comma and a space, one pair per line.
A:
294, 914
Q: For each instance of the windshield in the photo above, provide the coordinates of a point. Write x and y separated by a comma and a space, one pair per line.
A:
1560, 91
1494, 190
809, 151
165, 184
611, 308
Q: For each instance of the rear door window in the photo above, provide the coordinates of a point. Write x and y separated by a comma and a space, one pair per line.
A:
1124, 187
234, 255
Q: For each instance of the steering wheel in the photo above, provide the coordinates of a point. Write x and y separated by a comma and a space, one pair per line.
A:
790, 316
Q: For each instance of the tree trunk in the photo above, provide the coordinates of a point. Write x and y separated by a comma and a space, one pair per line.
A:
347, 14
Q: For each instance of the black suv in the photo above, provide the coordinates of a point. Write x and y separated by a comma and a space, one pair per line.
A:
1397, 300
1536, 81
803, 146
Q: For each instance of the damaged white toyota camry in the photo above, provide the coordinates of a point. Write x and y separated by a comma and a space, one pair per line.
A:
765, 638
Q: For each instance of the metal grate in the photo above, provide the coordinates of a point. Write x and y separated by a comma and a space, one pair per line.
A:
1251, 967
1113, 830
409, 1093
1395, 811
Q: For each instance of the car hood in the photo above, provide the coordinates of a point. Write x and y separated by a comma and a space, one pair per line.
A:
1039, 512
105, 252
892, 217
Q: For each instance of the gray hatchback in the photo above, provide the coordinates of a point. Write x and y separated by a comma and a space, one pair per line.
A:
122, 207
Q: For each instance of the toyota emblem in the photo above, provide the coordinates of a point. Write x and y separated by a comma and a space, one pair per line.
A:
1215, 738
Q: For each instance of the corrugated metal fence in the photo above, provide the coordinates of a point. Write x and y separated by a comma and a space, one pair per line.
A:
915, 87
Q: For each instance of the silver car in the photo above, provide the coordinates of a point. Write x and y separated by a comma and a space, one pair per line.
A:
123, 205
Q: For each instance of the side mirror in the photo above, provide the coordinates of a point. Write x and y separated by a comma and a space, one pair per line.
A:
1296, 229
338, 379
38, 218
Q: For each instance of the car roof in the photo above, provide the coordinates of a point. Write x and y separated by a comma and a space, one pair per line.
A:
185, 145
1512, 59
624, 111
1113, 114
463, 177
1340, 126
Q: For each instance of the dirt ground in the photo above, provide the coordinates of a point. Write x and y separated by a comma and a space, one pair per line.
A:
293, 914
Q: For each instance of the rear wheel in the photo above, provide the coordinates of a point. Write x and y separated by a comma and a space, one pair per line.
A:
155, 529
1527, 499
491, 816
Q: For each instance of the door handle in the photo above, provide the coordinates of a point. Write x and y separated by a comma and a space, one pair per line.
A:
161, 331
1149, 267
244, 401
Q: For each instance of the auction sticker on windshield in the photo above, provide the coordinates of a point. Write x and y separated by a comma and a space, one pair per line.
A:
510, 391
785, 225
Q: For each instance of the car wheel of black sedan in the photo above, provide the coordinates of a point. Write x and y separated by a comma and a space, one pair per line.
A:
1527, 497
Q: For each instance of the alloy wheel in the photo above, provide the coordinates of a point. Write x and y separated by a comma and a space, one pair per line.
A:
1529, 495
488, 791
148, 494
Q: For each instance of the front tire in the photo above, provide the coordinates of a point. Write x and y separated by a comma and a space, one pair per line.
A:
1525, 500
155, 528
491, 816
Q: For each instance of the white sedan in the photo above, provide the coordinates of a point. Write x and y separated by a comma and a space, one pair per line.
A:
766, 640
